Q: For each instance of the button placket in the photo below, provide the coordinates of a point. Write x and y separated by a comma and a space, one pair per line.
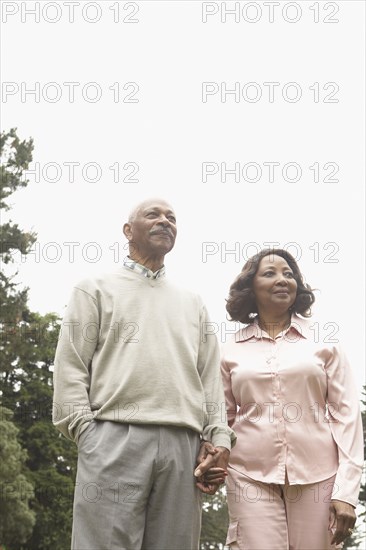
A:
274, 364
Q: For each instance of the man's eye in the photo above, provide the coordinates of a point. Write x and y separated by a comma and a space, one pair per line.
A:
172, 219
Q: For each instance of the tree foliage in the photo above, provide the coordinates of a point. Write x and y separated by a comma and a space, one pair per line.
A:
28, 342
215, 520
16, 517
15, 157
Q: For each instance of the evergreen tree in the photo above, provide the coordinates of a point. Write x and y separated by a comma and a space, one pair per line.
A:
215, 520
28, 342
16, 518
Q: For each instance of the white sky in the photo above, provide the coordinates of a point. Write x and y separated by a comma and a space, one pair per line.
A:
172, 128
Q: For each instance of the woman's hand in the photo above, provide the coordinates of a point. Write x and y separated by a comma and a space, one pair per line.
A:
211, 467
341, 520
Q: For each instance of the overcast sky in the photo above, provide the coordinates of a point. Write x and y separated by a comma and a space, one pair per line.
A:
250, 123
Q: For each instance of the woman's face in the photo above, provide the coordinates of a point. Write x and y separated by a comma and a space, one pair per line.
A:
274, 285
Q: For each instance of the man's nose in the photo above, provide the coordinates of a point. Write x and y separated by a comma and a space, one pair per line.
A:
163, 220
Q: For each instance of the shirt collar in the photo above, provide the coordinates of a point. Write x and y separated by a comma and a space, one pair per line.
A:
298, 327
145, 271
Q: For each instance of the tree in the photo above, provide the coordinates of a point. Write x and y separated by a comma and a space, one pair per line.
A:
16, 518
15, 156
51, 458
28, 342
215, 521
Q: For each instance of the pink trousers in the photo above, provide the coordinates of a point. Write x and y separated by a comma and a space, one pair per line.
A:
278, 517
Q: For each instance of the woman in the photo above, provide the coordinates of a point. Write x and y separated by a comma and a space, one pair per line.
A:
294, 474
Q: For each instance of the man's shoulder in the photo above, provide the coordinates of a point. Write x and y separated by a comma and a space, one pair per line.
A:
102, 282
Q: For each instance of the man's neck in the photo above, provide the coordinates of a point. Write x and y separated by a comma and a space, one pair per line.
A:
154, 264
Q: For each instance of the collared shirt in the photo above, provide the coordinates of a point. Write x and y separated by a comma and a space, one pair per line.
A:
139, 268
294, 407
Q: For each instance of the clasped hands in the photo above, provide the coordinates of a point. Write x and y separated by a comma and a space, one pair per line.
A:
211, 468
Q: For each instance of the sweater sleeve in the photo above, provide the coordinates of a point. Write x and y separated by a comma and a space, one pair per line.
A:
346, 427
72, 410
215, 428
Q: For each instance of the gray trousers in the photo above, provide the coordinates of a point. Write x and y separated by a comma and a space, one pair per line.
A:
135, 488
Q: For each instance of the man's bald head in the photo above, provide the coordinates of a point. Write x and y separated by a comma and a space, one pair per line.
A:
145, 204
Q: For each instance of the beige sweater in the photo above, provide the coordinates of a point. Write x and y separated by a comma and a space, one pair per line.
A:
134, 350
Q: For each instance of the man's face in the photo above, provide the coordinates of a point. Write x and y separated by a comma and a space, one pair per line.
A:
152, 230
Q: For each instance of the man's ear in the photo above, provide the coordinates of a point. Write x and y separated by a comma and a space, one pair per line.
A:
127, 231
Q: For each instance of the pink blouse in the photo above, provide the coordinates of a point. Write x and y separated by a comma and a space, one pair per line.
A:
294, 407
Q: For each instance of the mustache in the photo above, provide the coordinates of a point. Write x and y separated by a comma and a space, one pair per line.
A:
161, 232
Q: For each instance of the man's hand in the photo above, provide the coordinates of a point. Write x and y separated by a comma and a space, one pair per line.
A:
212, 467
342, 519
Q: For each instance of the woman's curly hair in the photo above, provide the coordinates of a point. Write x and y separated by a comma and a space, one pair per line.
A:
241, 304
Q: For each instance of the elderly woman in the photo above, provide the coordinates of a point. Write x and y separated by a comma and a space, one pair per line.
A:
294, 474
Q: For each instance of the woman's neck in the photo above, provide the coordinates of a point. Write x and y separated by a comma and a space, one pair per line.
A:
272, 323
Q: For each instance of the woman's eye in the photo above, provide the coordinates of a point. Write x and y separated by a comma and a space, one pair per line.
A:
268, 273
289, 275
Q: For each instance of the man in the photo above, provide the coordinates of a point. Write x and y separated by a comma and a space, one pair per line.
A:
137, 383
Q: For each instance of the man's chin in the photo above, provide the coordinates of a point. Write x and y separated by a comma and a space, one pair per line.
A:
164, 242
164, 248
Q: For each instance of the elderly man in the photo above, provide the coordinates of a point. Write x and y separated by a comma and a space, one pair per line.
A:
137, 387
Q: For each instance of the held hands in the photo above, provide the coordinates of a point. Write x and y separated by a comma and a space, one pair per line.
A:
342, 519
211, 467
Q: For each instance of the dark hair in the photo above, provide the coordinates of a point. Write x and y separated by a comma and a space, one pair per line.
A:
241, 304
